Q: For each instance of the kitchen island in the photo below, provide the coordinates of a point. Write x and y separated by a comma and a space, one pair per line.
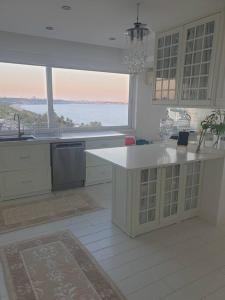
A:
157, 185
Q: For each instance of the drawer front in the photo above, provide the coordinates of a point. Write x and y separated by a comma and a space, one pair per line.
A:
19, 183
98, 174
93, 161
105, 143
24, 157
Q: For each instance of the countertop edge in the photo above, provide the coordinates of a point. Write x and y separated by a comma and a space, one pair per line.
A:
200, 157
50, 140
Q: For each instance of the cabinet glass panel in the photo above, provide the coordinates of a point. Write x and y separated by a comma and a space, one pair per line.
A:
166, 67
148, 197
171, 191
192, 186
197, 59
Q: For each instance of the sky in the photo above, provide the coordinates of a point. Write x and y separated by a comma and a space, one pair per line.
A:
22, 81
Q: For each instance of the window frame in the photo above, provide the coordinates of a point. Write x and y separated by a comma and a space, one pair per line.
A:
50, 102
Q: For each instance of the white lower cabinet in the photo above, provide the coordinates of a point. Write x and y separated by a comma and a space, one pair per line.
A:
150, 198
25, 170
98, 170
21, 183
98, 174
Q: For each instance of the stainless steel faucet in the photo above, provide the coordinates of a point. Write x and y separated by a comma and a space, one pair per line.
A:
20, 133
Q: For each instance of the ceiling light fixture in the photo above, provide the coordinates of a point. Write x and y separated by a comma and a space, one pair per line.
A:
137, 44
66, 7
49, 28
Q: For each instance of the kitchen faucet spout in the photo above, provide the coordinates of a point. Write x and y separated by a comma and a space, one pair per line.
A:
18, 118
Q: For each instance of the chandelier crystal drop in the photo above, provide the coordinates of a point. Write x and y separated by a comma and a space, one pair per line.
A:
137, 46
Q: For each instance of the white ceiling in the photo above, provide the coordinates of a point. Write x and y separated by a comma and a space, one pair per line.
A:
94, 21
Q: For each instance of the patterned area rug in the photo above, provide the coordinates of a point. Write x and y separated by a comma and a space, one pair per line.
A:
24, 214
54, 267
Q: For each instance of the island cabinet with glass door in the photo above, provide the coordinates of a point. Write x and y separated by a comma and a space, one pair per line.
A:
187, 62
156, 196
155, 186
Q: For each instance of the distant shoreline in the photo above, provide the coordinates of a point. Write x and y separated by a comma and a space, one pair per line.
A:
25, 101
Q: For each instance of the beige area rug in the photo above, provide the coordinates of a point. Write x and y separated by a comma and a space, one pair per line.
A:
54, 267
21, 214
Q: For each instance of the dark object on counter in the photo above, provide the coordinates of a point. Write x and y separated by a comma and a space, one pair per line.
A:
174, 137
183, 138
142, 142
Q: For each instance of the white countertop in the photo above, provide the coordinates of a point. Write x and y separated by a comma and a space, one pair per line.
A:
137, 157
69, 137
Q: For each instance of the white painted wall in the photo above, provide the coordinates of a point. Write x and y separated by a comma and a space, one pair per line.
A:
19, 48
147, 115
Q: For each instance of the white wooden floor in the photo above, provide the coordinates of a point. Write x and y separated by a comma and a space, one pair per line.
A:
185, 261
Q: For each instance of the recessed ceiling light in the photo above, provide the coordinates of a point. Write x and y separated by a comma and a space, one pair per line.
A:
66, 7
112, 38
49, 28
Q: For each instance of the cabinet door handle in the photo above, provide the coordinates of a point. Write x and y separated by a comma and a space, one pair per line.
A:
25, 157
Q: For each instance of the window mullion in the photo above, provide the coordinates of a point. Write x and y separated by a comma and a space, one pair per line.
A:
50, 97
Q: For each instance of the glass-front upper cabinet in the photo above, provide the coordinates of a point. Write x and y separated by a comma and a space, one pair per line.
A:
186, 64
198, 61
166, 62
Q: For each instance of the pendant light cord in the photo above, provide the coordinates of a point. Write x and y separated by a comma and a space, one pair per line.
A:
138, 7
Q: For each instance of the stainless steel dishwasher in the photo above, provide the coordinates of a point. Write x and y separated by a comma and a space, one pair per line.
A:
68, 165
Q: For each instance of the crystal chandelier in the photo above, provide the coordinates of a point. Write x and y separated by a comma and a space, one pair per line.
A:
137, 42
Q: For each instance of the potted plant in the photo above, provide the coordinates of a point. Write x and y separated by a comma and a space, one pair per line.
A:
206, 125
214, 123
218, 127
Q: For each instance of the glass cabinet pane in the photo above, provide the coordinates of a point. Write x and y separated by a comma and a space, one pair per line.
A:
197, 57
209, 27
199, 30
175, 38
143, 204
190, 33
144, 190
151, 215
161, 42
144, 175
153, 174
143, 218
152, 201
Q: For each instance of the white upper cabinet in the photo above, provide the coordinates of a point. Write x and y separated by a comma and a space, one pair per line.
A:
166, 67
220, 92
192, 68
198, 62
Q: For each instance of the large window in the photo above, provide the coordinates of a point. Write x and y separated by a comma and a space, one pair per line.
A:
22, 91
76, 99
90, 99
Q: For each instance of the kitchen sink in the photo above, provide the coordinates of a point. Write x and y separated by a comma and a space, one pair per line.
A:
16, 138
